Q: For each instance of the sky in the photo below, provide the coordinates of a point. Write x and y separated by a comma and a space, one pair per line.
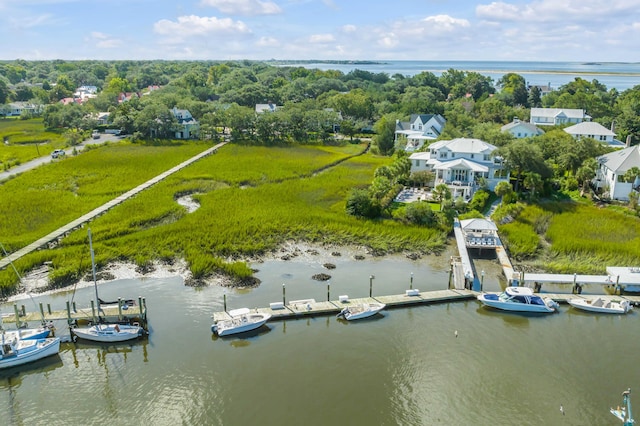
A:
538, 30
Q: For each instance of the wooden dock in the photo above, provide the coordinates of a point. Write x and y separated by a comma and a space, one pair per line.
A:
310, 308
102, 209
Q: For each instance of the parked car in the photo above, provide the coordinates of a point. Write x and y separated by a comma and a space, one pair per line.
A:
58, 153
95, 135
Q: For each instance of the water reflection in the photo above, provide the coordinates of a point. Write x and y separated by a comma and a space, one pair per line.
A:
12, 377
242, 339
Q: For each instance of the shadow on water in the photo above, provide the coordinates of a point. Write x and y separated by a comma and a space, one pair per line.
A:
13, 376
516, 319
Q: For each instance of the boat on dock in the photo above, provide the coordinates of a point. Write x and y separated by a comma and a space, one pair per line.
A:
600, 305
361, 310
240, 321
518, 299
105, 333
15, 352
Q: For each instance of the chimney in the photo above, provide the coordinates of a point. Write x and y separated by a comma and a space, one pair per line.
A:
516, 120
628, 141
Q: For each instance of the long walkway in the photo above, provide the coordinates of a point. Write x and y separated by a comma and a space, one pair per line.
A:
103, 208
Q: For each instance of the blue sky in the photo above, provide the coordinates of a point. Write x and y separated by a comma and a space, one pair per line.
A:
539, 30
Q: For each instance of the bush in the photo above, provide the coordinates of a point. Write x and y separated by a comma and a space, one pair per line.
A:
420, 214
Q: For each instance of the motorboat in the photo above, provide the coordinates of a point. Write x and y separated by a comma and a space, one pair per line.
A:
601, 305
623, 413
240, 321
14, 352
361, 310
518, 299
108, 333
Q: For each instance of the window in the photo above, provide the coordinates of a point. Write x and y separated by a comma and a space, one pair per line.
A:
471, 155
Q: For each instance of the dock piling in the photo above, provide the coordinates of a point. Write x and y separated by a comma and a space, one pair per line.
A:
49, 308
15, 311
41, 310
371, 277
328, 291
119, 308
411, 283
224, 299
284, 302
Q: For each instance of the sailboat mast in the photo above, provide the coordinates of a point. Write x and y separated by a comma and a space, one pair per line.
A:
93, 271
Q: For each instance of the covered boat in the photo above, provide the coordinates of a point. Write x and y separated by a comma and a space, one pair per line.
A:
518, 299
361, 310
241, 321
601, 305
15, 352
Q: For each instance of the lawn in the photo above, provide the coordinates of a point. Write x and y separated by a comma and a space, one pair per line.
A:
24, 140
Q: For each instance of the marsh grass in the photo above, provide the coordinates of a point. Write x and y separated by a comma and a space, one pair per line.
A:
252, 200
567, 237
26, 140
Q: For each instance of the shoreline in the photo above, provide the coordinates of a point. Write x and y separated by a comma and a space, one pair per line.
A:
37, 279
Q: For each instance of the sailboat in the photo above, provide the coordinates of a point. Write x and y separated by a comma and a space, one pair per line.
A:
105, 333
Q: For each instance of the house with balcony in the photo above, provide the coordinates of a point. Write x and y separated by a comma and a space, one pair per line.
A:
522, 129
557, 116
593, 130
462, 164
420, 128
188, 127
611, 169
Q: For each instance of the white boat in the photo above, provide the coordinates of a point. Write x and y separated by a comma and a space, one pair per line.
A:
108, 333
518, 299
601, 305
14, 352
28, 333
242, 320
105, 333
361, 310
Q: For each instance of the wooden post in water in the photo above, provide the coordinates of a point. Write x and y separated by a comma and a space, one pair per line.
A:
15, 311
328, 291
617, 285
49, 308
93, 310
75, 309
119, 308
450, 272
411, 284
284, 301
140, 307
371, 277
41, 311
481, 280
68, 313
225, 302
23, 310
574, 283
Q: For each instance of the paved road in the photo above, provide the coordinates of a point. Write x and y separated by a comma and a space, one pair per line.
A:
47, 158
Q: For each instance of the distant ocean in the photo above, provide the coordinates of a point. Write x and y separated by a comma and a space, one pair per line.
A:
618, 75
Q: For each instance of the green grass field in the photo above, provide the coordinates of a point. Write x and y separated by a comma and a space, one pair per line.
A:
24, 140
252, 200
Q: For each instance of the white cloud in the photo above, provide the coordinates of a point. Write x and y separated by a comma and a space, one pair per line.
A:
349, 28
244, 7
268, 42
446, 23
556, 11
105, 41
321, 38
187, 26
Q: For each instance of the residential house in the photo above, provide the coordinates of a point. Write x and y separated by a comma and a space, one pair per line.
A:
188, 127
593, 130
85, 93
126, 96
611, 170
556, 116
522, 129
461, 164
420, 128
15, 109
268, 107
101, 118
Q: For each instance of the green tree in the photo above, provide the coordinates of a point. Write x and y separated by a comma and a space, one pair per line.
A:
361, 205
385, 134
441, 193
503, 189
420, 214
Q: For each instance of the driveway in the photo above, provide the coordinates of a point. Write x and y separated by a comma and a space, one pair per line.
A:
47, 158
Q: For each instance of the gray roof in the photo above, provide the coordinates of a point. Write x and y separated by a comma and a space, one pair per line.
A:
478, 224
589, 128
530, 127
553, 112
464, 145
622, 160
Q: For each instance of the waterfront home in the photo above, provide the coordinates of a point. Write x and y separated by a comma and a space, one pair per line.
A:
17, 108
521, 129
556, 116
611, 169
412, 134
188, 127
268, 107
462, 164
593, 130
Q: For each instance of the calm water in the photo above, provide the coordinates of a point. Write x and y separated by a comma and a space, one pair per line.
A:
620, 76
405, 367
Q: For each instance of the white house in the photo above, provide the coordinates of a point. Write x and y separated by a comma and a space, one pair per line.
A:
522, 129
460, 164
555, 116
593, 130
420, 128
611, 169
188, 126
269, 107
17, 108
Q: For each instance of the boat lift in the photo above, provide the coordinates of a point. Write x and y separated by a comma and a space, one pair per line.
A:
624, 412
